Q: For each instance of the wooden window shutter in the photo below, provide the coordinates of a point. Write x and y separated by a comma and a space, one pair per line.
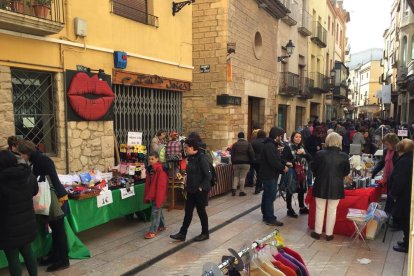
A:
132, 9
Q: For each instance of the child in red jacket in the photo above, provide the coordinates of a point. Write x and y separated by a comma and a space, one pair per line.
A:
156, 185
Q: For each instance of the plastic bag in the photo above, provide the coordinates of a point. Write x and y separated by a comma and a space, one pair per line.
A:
41, 201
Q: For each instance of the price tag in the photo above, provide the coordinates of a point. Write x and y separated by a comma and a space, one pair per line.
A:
403, 132
127, 192
105, 198
134, 138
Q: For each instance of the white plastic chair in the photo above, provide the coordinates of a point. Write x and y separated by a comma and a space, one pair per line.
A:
361, 221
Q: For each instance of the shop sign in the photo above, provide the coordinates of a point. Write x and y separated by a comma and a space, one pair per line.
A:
90, 97
134, 138
226, 99
150, 81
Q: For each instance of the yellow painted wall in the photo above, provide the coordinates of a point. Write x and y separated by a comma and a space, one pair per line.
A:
170, 42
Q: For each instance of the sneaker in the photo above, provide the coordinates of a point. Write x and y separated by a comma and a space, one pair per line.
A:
202, 237
242, 194
400, 243
401, 249
329, 238
57, 266
304, 211
150, 235
291, 213
233, 192
315, 235
178, 237
160, 229
274, 223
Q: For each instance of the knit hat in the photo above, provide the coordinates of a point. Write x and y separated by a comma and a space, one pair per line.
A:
275, 131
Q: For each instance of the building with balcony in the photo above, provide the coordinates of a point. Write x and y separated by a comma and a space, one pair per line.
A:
45, 49
405, 65
365, 89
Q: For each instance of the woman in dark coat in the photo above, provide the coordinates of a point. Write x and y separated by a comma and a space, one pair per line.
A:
329, 167
198, 185
296, 153
44, 167
400, 181
18, 230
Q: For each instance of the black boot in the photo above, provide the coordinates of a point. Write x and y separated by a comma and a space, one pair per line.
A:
202, 237
233, 192
178, 237
291, 213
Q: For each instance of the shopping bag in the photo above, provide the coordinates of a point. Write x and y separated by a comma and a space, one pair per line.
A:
41, 201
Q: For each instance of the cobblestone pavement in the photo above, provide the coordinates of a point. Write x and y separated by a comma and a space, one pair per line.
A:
119, 246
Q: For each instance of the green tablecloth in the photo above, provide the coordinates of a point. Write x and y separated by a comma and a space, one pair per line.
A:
43, 242
84, 214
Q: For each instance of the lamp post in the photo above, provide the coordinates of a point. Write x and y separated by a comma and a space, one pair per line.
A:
289, 50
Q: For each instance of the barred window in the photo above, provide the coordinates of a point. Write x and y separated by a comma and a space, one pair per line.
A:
34, 108
136, 10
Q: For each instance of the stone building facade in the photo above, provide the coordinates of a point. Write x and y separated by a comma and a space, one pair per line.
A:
249, 74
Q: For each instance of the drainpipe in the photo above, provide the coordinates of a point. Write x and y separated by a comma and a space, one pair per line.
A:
66, 124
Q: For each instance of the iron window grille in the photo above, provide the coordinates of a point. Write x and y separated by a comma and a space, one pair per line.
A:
145, 110
34, 102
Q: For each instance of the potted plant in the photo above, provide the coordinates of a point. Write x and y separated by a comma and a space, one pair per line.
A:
16, 6
42, 8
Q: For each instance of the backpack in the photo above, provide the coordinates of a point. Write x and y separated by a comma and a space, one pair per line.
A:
213, 181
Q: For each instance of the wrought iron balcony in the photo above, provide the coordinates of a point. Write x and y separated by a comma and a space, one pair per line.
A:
305, 88
319, 34
292, 17
288, 84
305, 25
37, 17
133, 12
321, 82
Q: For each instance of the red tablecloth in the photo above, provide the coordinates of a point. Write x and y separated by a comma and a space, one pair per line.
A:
358, 199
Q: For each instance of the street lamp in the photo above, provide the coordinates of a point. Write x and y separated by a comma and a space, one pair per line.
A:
289, 49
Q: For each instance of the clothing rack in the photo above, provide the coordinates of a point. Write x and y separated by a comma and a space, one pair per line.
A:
243, 252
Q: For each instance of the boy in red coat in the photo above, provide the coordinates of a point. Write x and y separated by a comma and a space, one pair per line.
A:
156, 185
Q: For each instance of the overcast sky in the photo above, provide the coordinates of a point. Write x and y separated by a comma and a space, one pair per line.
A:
369, 19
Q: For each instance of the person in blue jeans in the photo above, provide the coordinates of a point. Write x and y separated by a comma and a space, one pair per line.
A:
271, 165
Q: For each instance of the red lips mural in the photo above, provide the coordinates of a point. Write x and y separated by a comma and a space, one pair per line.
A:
89, 97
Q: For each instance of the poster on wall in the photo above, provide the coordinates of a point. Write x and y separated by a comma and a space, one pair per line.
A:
88, 97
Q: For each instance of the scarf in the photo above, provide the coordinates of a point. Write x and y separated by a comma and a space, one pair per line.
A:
389, 165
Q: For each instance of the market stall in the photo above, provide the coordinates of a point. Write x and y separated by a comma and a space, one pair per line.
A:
224, 184
85, 214
357, 199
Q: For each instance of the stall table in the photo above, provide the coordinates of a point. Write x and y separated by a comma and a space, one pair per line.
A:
357, 199
224, 183
43, 243
84, 214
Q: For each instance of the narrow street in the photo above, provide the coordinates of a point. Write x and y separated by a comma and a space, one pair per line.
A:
119, 247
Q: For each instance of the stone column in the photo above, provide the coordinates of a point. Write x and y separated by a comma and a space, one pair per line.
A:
6, 106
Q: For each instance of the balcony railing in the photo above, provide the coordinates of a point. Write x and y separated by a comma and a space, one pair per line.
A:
305, 24
305, 88
319, 34
321, 82
291, 18
38, 17
289, 84
134, 13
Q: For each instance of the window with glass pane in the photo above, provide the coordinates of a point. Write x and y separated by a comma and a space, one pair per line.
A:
34, 108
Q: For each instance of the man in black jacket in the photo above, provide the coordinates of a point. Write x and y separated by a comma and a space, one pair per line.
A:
242, 155
198, 185
271, 165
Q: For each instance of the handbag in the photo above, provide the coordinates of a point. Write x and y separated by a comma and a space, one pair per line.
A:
42, 200
300, 172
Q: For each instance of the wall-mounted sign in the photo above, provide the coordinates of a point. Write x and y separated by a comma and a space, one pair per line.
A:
403, 132
149, 81
90, 98
205, 68
226, 99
